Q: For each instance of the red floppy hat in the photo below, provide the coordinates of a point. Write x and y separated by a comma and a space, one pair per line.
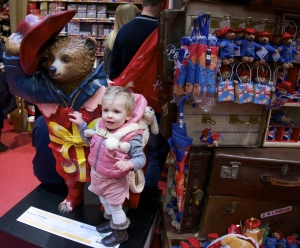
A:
286, 35
37, 30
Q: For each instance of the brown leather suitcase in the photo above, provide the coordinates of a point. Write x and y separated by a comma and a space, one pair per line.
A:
170, 32
260, 173
220, 212
196, 177
168, 111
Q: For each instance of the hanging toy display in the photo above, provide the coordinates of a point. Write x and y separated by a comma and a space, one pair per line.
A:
200, 88
287, 50
225, 84
211, 66
239, 34
283, 93
191, 72
244, 92
262, 86
262, 57
211, 63
211, 138
227, 46
180, 70
200, 85
279, 75
180, 144
248, 46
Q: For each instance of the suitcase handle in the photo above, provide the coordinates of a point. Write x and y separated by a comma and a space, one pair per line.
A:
269, 179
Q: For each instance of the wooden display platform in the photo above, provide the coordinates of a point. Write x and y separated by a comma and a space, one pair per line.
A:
16, 234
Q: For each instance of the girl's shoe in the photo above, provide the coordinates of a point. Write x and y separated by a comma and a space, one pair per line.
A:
3, 147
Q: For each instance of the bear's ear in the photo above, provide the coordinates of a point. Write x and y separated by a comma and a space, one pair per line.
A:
91, 44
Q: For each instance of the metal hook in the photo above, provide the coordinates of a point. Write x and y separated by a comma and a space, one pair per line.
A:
212, 122
262, 23
209, 120
233, 119
253, 119
246, 22
225, 18
222, 22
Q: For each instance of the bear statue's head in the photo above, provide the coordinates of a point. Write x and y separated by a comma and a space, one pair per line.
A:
70, 61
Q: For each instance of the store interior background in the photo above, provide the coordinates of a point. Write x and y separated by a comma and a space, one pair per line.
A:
17, 178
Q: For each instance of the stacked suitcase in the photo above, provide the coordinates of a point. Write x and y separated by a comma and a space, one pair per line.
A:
169, 20
253, 182
196, 179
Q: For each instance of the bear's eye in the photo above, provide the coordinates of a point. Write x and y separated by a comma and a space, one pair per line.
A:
50, 58
66, 59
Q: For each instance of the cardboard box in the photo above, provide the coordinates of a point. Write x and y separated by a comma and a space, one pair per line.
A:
100, 29
91, 7
44, 6
101, 16
44, 12
80, 14
72, 6
85, 28
91, 14
73, 28
31, 6
82, 7
95, 29
101, 9
106, 31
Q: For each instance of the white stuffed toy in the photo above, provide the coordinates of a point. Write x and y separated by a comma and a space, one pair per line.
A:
148, 119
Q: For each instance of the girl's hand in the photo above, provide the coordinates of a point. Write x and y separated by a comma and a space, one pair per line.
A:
76, 118
124, 165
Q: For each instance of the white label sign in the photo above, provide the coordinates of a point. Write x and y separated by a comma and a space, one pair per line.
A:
276, 212
63, 227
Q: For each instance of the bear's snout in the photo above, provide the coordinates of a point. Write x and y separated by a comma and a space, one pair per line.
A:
52, 69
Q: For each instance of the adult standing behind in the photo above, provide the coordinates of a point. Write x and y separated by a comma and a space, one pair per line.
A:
124, 13
128, 41
7, 105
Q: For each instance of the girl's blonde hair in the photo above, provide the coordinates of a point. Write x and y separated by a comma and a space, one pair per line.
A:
124, 13
113, 92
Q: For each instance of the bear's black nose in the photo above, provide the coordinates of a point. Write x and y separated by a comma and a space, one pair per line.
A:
52, 69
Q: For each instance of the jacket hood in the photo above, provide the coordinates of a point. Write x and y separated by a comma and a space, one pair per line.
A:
139, 108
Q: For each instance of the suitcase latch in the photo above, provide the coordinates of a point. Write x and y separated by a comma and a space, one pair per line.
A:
230, 171
230, 209
284, 170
